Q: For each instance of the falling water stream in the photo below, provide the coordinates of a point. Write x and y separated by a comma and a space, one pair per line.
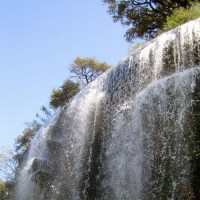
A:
132, 134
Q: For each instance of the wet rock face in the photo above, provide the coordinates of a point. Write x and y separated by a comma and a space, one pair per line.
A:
54, 147
42, 178
133, 133
42, 172
39, 164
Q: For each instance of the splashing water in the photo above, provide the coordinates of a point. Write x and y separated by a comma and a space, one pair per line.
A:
130, 134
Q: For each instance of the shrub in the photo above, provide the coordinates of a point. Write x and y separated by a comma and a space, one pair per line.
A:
64, 94
180, 16
136, 46
3, 191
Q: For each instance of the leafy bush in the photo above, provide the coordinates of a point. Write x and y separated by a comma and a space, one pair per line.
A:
180, 16
64, 94
3, 191
87, 69
136, 46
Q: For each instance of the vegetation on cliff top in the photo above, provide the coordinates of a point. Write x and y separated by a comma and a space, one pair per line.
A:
145, 17
180, 16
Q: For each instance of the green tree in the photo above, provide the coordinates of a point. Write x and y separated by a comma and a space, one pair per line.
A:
59, 97
136, 46
22, 142
144, 17
3, 191
47, 114
180, 16
87, 69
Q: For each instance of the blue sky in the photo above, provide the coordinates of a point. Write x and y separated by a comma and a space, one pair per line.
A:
38, 41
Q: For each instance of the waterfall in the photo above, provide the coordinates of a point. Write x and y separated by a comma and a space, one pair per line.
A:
133, 133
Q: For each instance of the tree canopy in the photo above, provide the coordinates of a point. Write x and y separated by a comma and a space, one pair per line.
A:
22, 142
180, 16
64, 93
144, 17
87, 69
3, 191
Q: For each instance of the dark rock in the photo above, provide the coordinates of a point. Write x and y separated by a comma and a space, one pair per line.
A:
10, 185
54, 147
42, 178
42, 172
38, 164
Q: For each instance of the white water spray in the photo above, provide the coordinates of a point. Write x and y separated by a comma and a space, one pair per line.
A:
130, 134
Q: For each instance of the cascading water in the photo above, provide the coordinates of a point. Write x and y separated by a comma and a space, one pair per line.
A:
133, 133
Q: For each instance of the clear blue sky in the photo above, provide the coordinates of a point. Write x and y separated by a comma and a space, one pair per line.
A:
38, 41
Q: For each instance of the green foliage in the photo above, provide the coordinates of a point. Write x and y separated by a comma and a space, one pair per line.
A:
64, 94
180, 16
136, 46
3, 191
47, 112
47, 115
87, 69
144, 17
22, 142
